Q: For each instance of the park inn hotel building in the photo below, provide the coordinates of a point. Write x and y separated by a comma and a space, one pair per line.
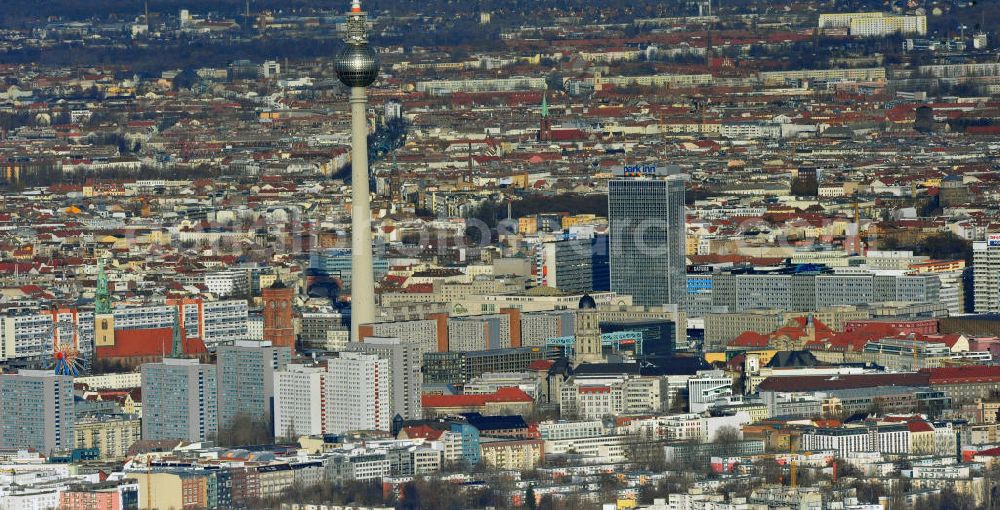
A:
646, 220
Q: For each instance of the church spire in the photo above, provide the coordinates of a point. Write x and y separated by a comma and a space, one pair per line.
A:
177, 346
102, 296
545, 124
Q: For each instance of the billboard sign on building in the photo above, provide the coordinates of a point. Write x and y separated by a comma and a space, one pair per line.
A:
993, 241
643, 170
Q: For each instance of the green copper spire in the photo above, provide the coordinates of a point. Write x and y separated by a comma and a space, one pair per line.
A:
102, 297
545, 105
177, 346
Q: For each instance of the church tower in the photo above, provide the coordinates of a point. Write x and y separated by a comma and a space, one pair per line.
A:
278, 327
104, 319
588, 332
545, 126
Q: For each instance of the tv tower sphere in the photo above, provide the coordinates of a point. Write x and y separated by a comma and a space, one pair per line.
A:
357, 63
357, 66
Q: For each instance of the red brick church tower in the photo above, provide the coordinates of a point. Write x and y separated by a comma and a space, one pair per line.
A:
278, 327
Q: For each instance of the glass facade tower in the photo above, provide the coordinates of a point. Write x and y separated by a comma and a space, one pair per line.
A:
646, 217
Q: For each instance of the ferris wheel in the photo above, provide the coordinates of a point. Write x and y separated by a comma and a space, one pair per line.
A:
66, 359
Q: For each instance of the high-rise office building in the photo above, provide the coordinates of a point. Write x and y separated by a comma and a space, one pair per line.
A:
278, 327
461, 367
246, 379
300, 401
575, 265
646, 220
36, 411
792, 289
537, 327
179, 400
359, 393
406, 377
986, 274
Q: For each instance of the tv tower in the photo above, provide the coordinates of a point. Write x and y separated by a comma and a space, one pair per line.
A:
357, 67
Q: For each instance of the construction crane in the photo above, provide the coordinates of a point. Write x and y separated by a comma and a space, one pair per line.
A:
149, 483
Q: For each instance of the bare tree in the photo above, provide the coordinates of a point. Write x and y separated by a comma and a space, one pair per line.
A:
727, 435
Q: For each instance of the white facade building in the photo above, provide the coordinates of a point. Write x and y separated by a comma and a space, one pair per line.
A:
111, 381
986, 274
299, 397
874, 24
706, 387
406, 378
595, 399
359, 393
32, 335
882, 438
231, 282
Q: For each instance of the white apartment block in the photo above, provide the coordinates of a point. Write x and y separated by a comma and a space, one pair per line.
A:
654, 80
889, 25
691, 427
111, 381
300, 401
875, 24
986, 274
607, 447
231, 282
684, 427
889, 260
32, 335
359, 393
36, 411
423, 333
563, 429
883, 439
406, 378
436, 87
591, 400
960, 70
771, 78
750, 130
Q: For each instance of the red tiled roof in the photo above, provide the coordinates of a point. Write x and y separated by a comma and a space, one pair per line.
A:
842, 382
502, 396
422, 431
919, 426
147, 342
992, 452
516, 442
750, 339
541, 364
828, 423
963, 375
420, 288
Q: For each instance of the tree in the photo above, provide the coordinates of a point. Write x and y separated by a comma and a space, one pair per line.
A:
529, 498
186, 79
645, 451
804, 186
243, 430
727, 435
